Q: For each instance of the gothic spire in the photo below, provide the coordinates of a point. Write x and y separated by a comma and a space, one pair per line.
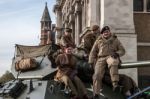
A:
46, 16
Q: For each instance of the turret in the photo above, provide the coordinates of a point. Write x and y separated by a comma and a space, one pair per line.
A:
45, 27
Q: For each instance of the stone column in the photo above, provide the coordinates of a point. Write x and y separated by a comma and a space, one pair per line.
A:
66, 23
58, 14
78, 20
72, 21
71, 25
94, 11
49, 39
118, 14
83, 4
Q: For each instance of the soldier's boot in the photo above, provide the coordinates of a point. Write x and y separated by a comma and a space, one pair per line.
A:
86, 97
96, 96
75, 97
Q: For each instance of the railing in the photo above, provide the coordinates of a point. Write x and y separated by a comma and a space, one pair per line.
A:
139, 93
135, 64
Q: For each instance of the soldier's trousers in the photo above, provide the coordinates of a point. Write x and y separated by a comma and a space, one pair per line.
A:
75, 85
99, 71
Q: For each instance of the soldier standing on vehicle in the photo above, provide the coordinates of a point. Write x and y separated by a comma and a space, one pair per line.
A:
67, 73
67, 38
89, 38
106, 50
87, 41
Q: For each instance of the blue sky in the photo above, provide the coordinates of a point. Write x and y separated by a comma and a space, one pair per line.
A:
20, 24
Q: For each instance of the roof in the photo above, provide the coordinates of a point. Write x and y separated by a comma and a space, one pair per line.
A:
46, 15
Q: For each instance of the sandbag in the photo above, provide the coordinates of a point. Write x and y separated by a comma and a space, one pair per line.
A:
26, 64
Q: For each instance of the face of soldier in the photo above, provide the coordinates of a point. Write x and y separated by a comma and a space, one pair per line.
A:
67, 33
106, 34
68, 50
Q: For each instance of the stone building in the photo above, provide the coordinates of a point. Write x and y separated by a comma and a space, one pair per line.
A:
129, 19
46, 33
142, 24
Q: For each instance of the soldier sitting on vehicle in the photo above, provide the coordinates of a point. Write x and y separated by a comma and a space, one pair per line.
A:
67, 38
67, 73
87, 41
107, 49
89, 38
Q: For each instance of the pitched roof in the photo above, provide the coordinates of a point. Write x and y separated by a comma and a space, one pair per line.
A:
46, 16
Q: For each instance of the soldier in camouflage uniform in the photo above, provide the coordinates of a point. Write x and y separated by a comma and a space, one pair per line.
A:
87, 41
89, 38
106, 52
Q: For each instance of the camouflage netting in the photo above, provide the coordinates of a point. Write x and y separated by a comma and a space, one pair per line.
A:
32, 51
40, 53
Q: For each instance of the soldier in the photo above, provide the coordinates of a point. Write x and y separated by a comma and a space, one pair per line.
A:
67, 38
87, 41
106, 50
67, 72
89, 38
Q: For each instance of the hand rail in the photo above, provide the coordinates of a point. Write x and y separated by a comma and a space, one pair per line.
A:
138, 93
135, 64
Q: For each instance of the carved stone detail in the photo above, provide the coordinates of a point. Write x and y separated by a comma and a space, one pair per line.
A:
56, 8
71, 18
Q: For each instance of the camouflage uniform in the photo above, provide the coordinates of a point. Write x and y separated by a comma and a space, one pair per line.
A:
67, 73
67, 40
88, 41
89, 38
101, 54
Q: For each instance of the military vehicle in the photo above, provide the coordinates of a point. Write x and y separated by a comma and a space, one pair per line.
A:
39, 83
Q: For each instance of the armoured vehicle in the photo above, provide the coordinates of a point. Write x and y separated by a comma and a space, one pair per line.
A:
39, 83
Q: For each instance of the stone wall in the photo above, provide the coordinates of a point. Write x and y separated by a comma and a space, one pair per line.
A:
144, 54
142, 26
118, 14
129, 42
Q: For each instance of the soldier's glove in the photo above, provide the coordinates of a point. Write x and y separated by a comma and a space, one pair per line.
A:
85, 57
115, 55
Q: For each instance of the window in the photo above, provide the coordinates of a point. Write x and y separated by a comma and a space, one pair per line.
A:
138, 5
141, 5
148, 5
